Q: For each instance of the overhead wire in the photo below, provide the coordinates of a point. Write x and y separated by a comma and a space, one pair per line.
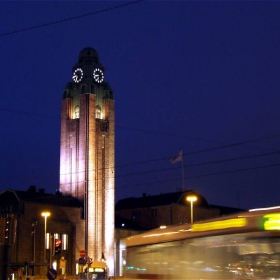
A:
201, 164
195, 176
159, 159
185, 154
71, 18
190, 165
208, 149
164, 158
203, 175
223, 146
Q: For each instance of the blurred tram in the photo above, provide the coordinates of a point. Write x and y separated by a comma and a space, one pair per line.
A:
241, 246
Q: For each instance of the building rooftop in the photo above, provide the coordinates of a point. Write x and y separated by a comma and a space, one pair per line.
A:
146, 201
160, 200
12, 196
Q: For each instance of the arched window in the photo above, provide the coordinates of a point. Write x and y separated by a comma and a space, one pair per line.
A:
77, 112
98, 112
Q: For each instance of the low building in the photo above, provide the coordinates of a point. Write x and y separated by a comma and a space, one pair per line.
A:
22, 234
152, 211
24, 250
23, 228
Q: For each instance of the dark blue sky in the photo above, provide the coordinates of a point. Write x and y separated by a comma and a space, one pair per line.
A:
197, 76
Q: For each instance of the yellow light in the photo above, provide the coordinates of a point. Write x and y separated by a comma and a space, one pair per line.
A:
272, 222
45, 214
159, 234
231, 223
99, 269
191, 198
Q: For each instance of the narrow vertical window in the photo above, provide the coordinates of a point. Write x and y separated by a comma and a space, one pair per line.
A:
48, 236
77, 112
98, 112
64, 241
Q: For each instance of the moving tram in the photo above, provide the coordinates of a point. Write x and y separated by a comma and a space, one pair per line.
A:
241, 246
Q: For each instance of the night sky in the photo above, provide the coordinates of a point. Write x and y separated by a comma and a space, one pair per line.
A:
197, 76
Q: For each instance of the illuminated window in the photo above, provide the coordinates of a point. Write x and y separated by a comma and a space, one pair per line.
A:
48, 236
98, 112
77, 112
64, 241
54, 265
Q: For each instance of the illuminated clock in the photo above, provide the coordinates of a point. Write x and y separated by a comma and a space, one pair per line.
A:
78, 75
98, 75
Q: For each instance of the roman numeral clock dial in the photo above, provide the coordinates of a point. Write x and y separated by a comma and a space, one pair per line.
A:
98, 75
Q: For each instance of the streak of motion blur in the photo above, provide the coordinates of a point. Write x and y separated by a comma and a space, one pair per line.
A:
244, 246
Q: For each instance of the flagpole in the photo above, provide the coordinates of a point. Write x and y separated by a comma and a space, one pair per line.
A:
183, 178
179, 157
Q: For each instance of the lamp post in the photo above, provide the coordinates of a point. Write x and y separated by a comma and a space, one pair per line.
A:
191, 199
34, 224
45, 215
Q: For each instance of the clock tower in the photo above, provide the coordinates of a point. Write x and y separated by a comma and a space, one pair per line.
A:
87, 153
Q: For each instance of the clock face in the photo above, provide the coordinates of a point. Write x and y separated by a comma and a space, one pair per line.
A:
98, 75
78, 75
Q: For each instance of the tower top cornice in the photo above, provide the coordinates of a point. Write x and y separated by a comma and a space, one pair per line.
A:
88, 76
88, 69
88, 54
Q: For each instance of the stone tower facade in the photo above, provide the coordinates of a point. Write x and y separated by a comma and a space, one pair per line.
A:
87, 152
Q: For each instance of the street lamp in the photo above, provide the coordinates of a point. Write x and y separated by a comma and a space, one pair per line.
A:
45, 215
191, 199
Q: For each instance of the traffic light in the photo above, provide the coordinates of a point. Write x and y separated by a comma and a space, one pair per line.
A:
57, 246
34, 224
